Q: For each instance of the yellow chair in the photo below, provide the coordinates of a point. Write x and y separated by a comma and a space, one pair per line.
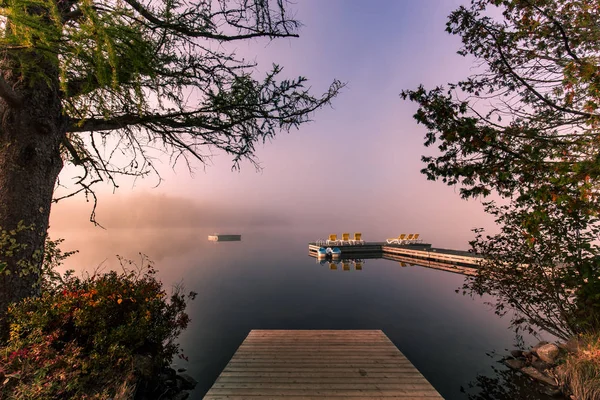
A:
332, 239
397, 240
346, 265
358, 238
416, 238
409, 238
345, 238
332, 266
358, 265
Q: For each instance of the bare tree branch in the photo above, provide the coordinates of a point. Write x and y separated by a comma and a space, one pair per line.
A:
185, 30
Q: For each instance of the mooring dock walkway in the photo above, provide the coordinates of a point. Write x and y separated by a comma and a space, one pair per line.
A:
311, 364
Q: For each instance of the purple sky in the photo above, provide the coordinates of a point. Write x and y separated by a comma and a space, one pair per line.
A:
356, 167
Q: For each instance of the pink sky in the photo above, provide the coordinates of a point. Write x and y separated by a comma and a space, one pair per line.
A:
356, 167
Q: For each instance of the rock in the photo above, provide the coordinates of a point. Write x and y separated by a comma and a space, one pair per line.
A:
170, 372
540, 365
516, 353
527, 354
539, 376
181, 396
170, 383
548, 353
537, 346
515, 364
187, 381
552, 392
572, 345
533, 359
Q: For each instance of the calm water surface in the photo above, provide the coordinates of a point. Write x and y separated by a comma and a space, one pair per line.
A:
268, 281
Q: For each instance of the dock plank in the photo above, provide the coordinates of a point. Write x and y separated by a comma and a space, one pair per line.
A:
304, 364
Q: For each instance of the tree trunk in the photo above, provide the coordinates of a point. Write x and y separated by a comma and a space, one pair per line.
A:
30, 161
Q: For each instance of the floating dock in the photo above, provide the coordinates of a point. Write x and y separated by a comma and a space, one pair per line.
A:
224, 238
461, 262
317, 364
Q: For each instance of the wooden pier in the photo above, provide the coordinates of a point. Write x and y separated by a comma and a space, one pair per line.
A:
460, 262
311, 364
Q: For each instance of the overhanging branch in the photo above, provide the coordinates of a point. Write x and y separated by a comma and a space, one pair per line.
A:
127, 120
185, 29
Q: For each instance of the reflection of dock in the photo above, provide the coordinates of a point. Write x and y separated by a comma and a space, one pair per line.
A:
461, 262
346, 264
279, 364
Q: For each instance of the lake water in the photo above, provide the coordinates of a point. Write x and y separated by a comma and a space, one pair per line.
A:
268, 281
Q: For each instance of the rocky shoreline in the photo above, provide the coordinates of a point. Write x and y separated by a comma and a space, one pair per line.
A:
543, 364
169, 384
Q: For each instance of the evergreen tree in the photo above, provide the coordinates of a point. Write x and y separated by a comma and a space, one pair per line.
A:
78, 75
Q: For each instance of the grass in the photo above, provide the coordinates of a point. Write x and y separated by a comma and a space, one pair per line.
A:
580, 374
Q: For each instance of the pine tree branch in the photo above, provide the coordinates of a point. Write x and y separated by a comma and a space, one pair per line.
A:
185, 29
126, 120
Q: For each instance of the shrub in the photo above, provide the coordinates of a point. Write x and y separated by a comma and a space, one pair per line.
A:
580, 373
83, 337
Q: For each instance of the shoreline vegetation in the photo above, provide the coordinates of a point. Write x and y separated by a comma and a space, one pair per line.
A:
570, 369
103, 336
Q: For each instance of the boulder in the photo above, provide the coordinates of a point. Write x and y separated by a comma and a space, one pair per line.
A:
533, 359
552, 392
170, 383
539, 376
548, 353
515, 364
540, 365
181, 396
187, 382
572, 345
516, 353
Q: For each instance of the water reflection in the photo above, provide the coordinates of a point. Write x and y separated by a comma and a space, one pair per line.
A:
504, 384
266, 281
402, 260
345, 264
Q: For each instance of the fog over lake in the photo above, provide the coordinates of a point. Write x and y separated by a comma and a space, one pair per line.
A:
268, 281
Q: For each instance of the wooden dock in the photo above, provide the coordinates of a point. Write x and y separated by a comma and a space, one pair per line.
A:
311, 364
460, 262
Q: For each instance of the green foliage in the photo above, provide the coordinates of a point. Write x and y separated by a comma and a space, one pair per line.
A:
81, 337
146, 74
12, 248
525, 127
544, 270
43, 266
